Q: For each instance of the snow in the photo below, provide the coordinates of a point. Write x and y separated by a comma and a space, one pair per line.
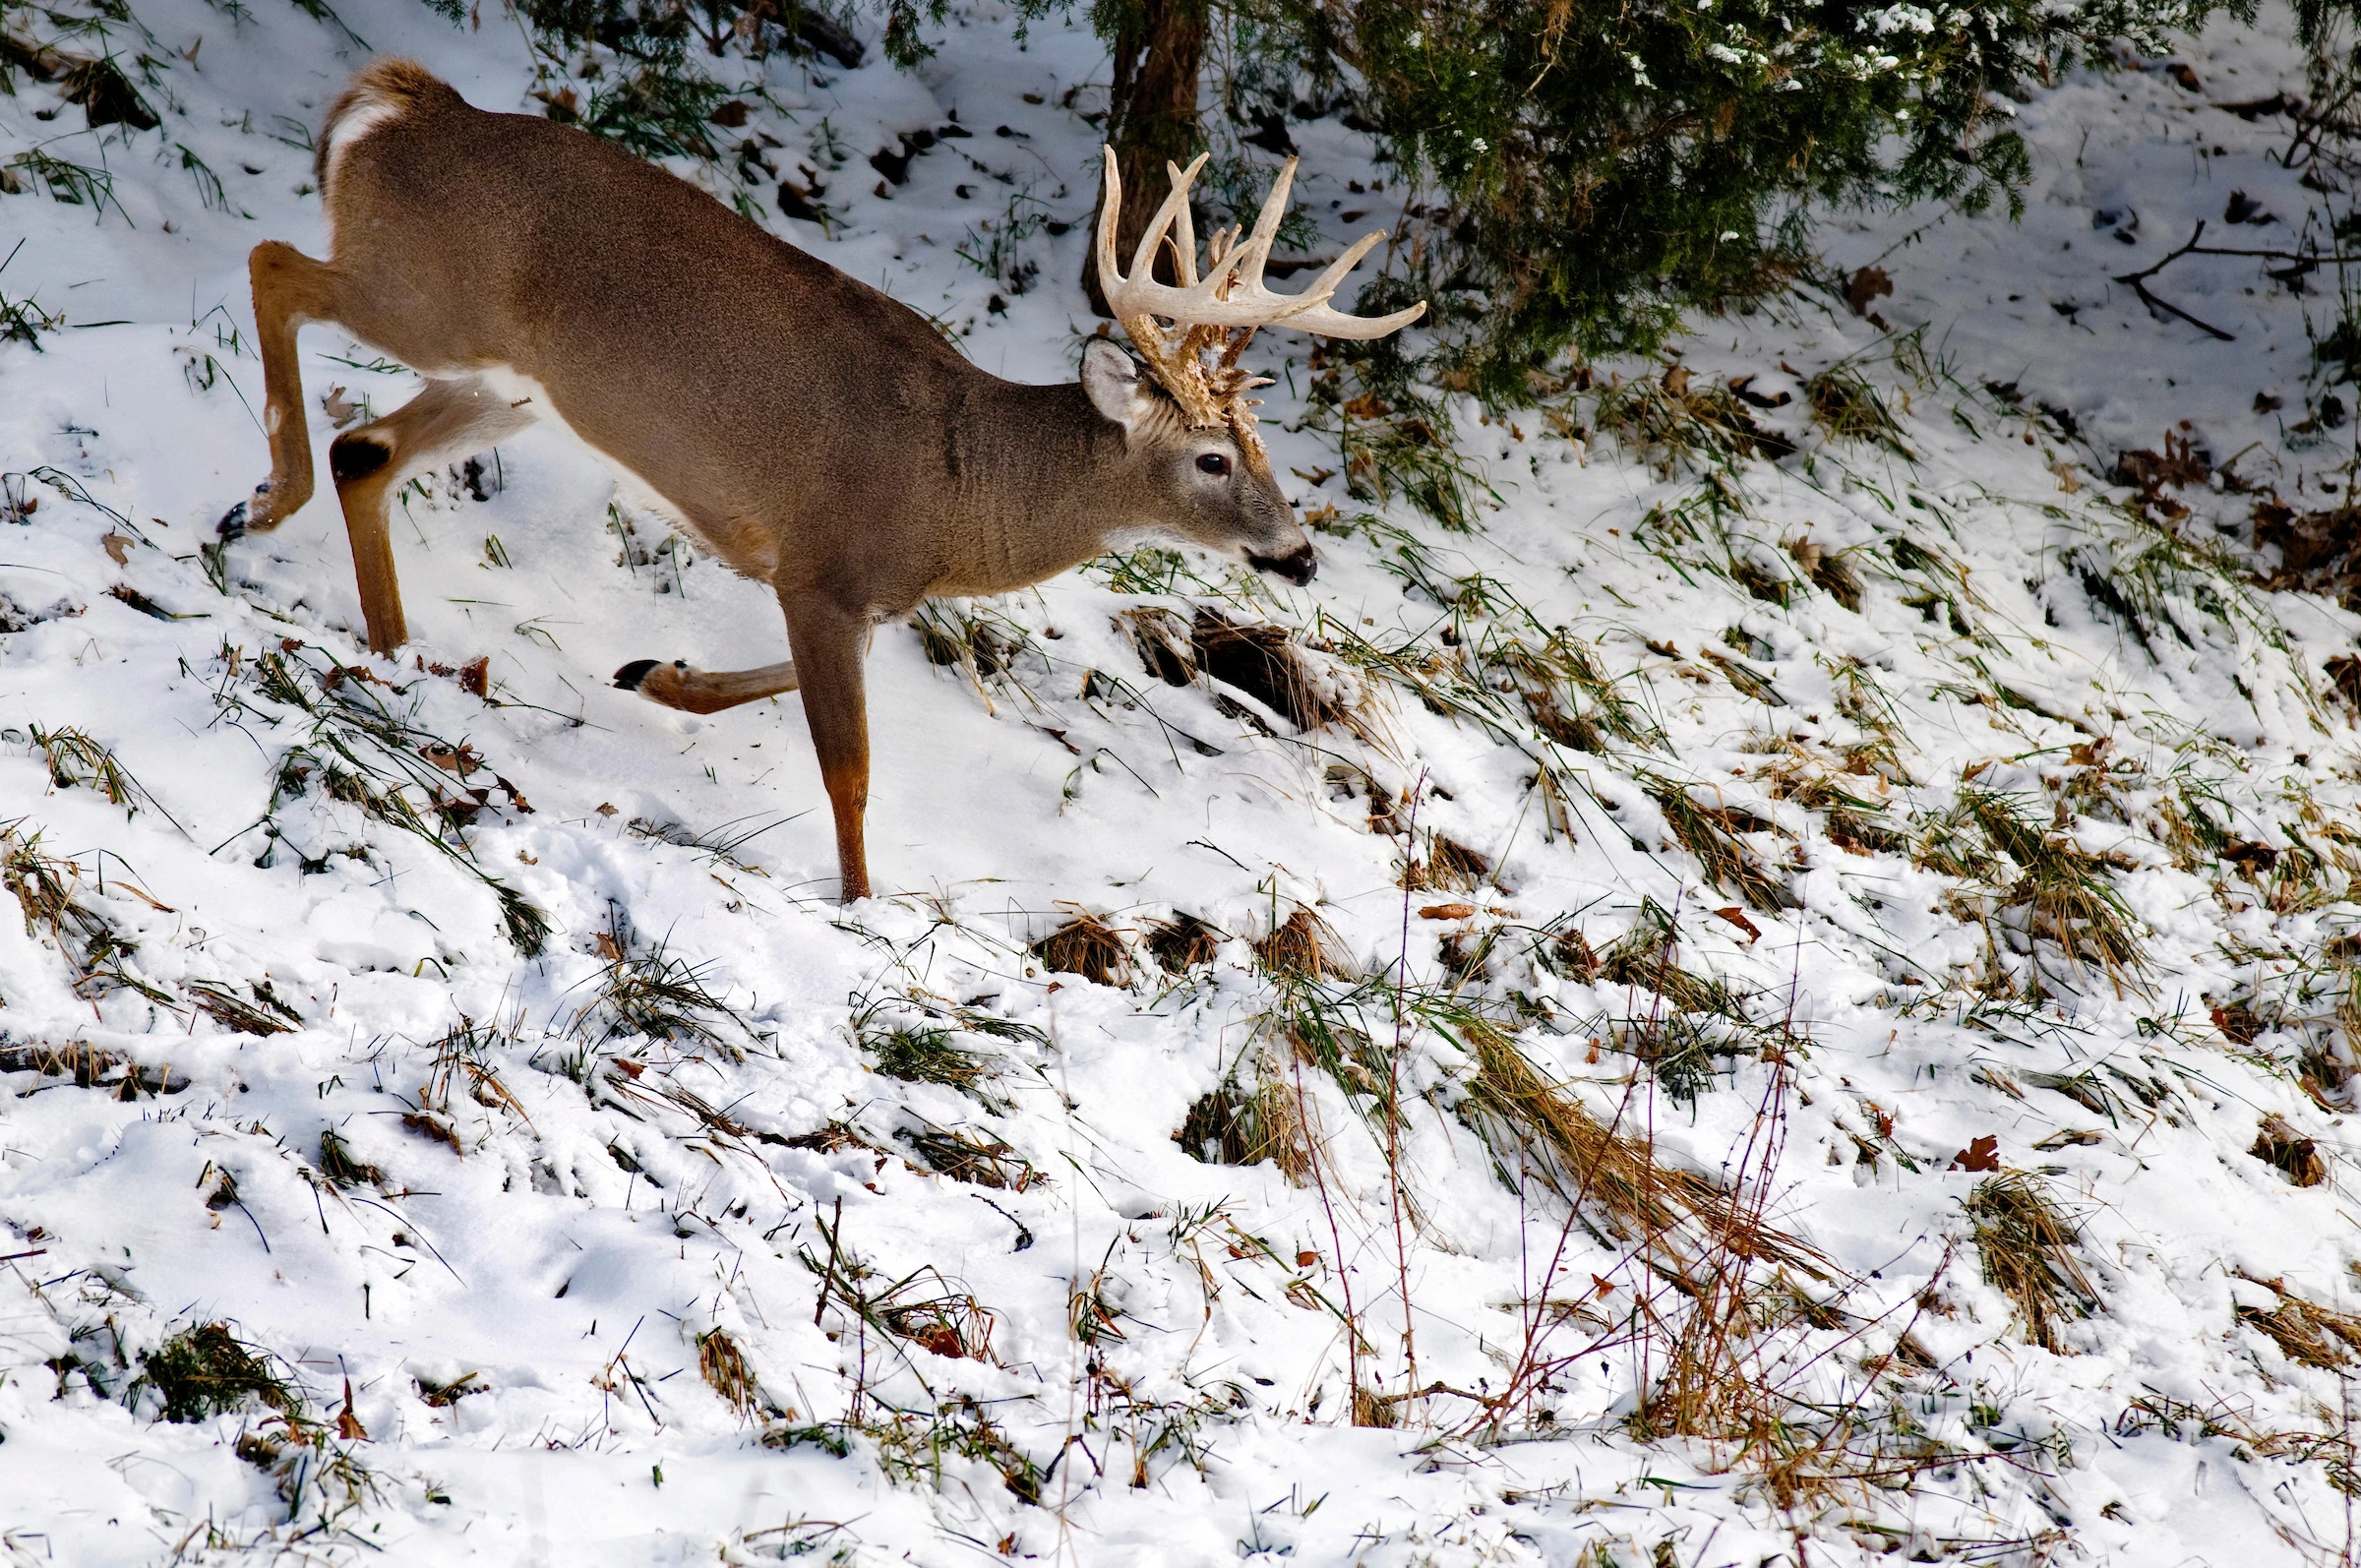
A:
564, 1205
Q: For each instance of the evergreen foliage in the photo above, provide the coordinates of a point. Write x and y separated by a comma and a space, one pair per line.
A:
1599, 168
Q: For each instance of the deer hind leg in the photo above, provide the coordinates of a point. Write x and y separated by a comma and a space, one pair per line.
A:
828, 646
289, 289
448, 419
677, 685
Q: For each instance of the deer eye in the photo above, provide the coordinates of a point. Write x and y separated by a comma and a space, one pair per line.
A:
1213, 462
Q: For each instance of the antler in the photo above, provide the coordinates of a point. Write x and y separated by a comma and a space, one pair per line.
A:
1229, 301
1233, 294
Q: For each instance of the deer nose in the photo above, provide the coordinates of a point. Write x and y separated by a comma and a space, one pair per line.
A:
1297, 565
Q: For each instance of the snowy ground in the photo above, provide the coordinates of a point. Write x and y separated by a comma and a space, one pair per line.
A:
1927, 688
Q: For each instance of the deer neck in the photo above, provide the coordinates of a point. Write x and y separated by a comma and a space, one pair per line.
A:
1044, 484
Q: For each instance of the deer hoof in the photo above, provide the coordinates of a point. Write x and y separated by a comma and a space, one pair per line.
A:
658, 682
251, 516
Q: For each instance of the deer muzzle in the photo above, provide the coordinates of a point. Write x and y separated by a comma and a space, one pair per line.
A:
1297, 565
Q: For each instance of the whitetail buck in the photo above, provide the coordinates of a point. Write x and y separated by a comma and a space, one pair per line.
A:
808, 431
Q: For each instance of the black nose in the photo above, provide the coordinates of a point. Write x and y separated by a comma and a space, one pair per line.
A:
1297, 565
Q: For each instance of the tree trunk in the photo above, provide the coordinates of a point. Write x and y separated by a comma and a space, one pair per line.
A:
1151, 118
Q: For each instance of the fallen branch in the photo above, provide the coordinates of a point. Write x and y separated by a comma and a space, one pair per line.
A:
2139, 282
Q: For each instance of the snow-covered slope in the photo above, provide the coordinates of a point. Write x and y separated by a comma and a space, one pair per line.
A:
1826, 983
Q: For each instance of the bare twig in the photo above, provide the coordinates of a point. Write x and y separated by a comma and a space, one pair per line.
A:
2139, 282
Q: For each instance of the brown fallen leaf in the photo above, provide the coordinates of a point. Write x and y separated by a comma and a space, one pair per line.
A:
427, 1126
608, 949
2297, 1157
1667, 649
1307, 1258
342, 411
1737, 917
475, 677
1983, 1154
1676, 381
348, 1426
1867, 284
1447, 912
117, 547
1318, 476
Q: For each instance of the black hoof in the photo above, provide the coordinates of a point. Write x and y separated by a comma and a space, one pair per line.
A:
628, 677
233, 522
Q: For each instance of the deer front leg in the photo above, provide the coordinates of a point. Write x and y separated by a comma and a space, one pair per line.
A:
289, 289
828, 646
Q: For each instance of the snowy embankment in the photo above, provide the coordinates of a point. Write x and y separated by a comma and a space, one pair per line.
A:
1814, 947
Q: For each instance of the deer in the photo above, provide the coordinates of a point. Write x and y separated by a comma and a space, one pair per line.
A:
808, 431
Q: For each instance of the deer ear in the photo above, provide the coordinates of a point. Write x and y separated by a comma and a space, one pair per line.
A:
1112, 378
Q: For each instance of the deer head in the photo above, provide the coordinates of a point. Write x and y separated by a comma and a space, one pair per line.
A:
1190, 415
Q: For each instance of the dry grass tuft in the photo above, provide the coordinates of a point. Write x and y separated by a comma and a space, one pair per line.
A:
1183, 942
1267, 664
2027, 1244
2060, 894
973, 1157
1088, 946
339, 1164
2307, 1333
49, 891
1828, 570
1448, 867
651, 994
203, 1371
265, 1015
1590, 1162
1162, 639
92, 1068
722, 1365
1711, 833
1236, 1125
925, 1053
75, 758
1848, 408
1303, 947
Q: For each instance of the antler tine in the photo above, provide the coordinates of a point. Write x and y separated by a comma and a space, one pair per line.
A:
1316, 317
1175, 209
1111, 206
1243, 262
1184, 227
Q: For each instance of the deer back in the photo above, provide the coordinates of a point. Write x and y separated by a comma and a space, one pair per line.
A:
810, 429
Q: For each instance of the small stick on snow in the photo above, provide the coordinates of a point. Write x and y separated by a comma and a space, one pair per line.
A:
2139, 282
